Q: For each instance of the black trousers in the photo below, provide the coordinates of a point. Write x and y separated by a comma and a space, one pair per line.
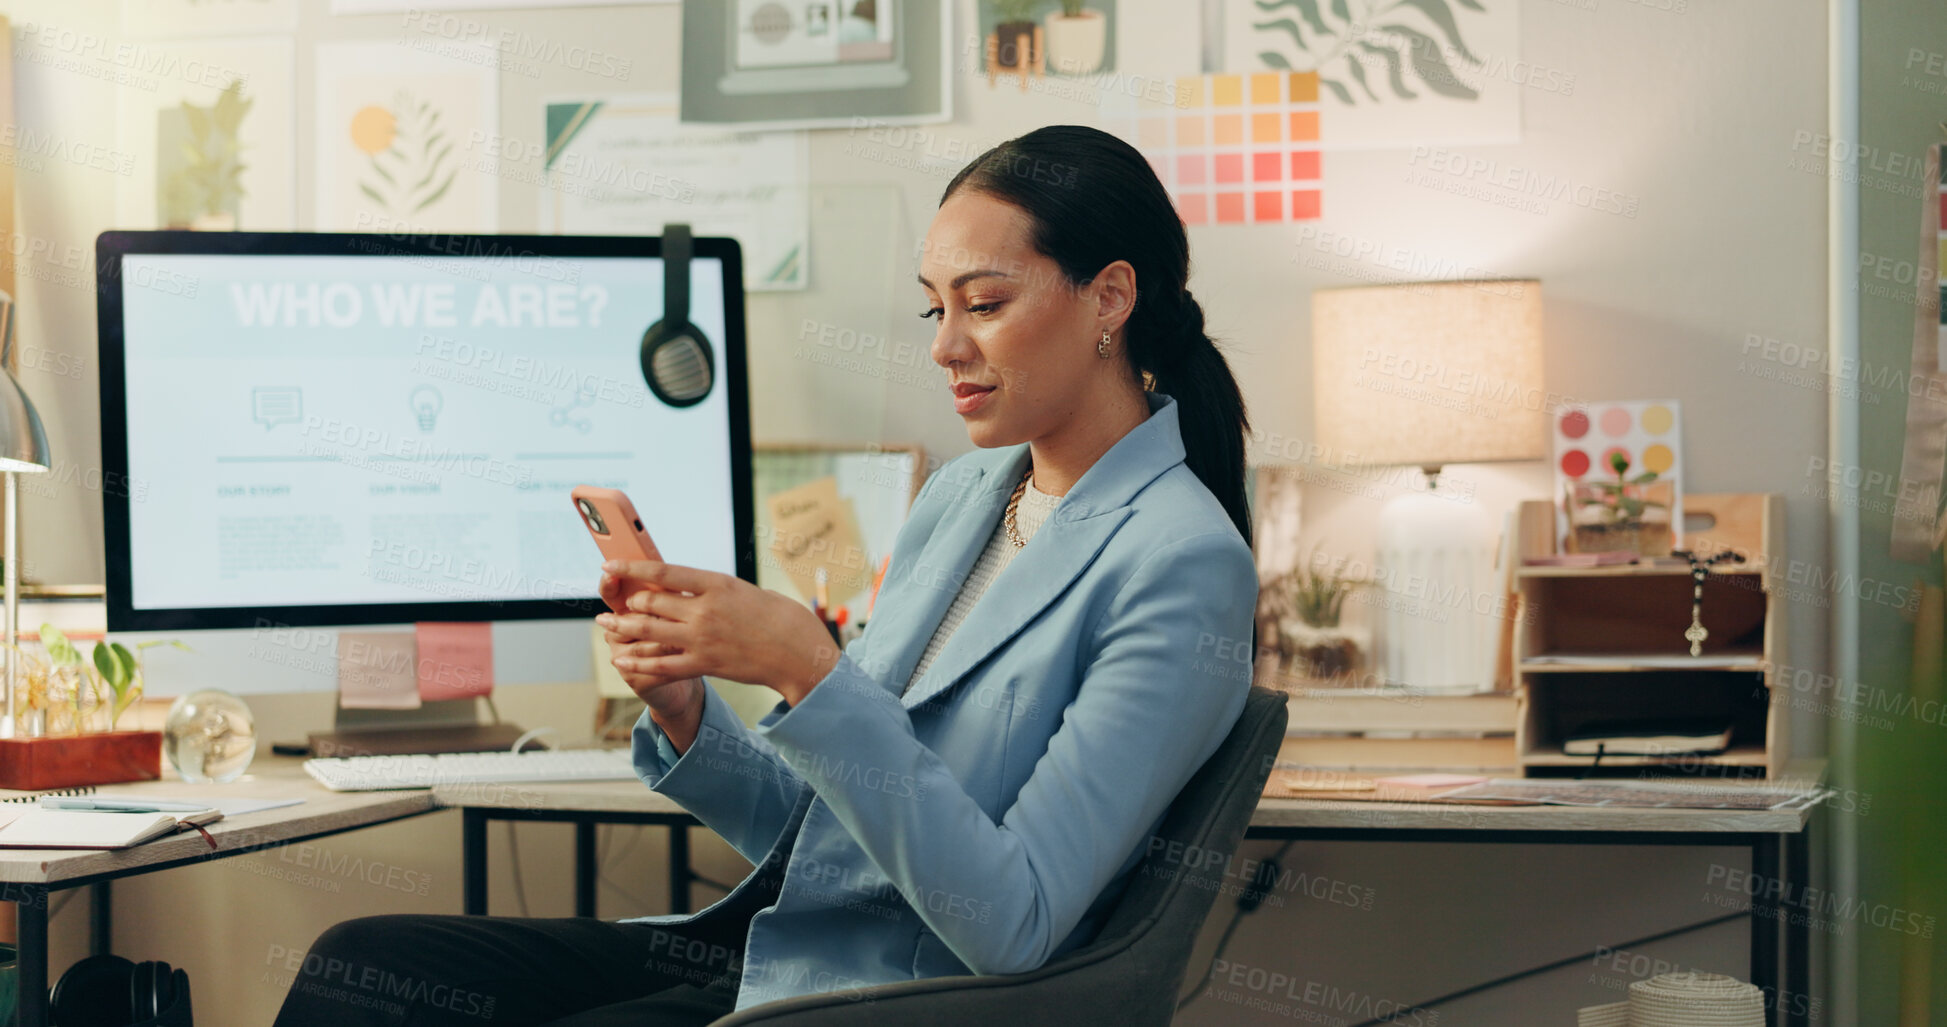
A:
411, 970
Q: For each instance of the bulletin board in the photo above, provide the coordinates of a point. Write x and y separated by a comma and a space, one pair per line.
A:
880, 480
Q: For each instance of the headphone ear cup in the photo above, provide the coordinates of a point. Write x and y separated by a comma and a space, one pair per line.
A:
94, 992
165, 987
141, 993
678, 364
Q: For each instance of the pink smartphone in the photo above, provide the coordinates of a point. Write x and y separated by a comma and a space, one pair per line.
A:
615, 525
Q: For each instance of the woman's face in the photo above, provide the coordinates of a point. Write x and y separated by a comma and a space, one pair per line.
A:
1017, 339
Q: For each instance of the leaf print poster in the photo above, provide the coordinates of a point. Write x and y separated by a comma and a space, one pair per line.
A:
400, 135
1396, 73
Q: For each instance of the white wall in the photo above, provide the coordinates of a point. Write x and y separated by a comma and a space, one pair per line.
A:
1693, 111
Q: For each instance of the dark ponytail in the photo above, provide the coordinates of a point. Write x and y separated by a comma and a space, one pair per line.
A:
1094, 200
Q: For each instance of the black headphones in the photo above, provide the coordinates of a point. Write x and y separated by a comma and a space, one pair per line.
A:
110, 991
676, 358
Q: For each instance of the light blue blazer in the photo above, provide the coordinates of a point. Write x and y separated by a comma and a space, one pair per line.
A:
984, 821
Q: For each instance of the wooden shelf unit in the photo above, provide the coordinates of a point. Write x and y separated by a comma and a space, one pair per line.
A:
1607, 643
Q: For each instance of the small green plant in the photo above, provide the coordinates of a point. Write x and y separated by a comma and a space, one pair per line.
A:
1614, 498
1318, 596
1072, 8
1014, 10
121, 670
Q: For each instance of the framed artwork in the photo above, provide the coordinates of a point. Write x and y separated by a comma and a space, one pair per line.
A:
215, 150
767, 64
392, 123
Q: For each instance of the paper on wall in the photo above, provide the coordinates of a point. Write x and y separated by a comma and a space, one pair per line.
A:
399, 132
626, 166
812, 526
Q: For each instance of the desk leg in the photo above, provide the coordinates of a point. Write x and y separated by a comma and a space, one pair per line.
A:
679, 868
1798, 931
101, 919
32, 909
1767, 929
585, 869
473, 861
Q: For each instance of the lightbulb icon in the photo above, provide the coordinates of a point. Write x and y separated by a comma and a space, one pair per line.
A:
426, 403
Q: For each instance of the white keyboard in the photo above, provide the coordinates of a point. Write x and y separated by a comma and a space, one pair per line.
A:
370, 773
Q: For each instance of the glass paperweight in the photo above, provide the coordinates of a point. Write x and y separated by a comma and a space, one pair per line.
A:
209, 736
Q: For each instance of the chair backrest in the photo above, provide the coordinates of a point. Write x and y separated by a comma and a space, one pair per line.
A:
1193, 856
1130, 972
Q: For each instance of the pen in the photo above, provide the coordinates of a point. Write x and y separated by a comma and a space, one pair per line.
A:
120, 805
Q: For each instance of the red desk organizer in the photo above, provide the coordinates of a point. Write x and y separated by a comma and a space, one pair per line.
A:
109, 757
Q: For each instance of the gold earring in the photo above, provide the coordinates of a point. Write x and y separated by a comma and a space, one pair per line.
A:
1102, 348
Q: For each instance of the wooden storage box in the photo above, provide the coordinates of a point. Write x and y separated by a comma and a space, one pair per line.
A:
1607, 643
110, 757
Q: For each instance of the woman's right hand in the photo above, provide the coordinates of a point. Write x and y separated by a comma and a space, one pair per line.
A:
676, 704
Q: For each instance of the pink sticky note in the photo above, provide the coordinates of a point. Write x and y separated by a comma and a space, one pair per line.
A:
456, 660
1432, 780
375, 671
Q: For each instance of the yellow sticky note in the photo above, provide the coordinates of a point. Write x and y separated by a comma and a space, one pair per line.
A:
608, 680
812, 526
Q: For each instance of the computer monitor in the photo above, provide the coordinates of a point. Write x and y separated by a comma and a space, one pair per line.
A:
346, 429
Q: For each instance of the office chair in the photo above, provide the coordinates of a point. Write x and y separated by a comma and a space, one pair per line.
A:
1131, 972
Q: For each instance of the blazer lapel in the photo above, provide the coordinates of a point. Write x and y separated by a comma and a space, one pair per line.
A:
1057, 554
915, 604
1060, 550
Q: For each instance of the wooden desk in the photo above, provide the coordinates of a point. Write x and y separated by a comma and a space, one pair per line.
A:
1778, 842
29, 876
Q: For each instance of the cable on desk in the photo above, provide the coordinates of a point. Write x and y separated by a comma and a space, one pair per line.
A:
514, 859
1247, 903
1556, 965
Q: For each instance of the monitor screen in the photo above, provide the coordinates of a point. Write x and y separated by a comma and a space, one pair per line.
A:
357, 429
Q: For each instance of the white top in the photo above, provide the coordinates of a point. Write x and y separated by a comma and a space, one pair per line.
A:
1034, 507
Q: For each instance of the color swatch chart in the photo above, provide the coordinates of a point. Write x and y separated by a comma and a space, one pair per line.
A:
1234, 149
1646, 434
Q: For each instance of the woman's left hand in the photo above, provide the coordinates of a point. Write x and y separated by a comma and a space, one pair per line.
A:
725, 626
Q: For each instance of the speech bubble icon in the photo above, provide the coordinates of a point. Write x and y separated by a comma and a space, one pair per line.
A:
272, 405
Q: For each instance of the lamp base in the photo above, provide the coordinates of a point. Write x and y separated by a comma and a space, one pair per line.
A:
1436, 557
109, 757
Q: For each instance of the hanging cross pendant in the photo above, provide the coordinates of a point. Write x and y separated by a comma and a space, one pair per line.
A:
1696, 634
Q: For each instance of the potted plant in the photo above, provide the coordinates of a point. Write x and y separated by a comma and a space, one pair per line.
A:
1077, 38
1014, 20
1315, 594
120, 671
68, 712
1626, 515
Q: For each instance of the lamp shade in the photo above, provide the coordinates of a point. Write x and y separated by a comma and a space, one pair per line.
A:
1429, 373
23, 442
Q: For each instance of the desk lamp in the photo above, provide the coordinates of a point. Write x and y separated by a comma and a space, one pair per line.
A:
1428, 374
23, 450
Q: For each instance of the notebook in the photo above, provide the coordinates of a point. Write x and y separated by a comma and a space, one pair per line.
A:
38, 828
1648, 738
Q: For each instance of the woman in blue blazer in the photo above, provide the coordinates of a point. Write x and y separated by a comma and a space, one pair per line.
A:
966, 786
